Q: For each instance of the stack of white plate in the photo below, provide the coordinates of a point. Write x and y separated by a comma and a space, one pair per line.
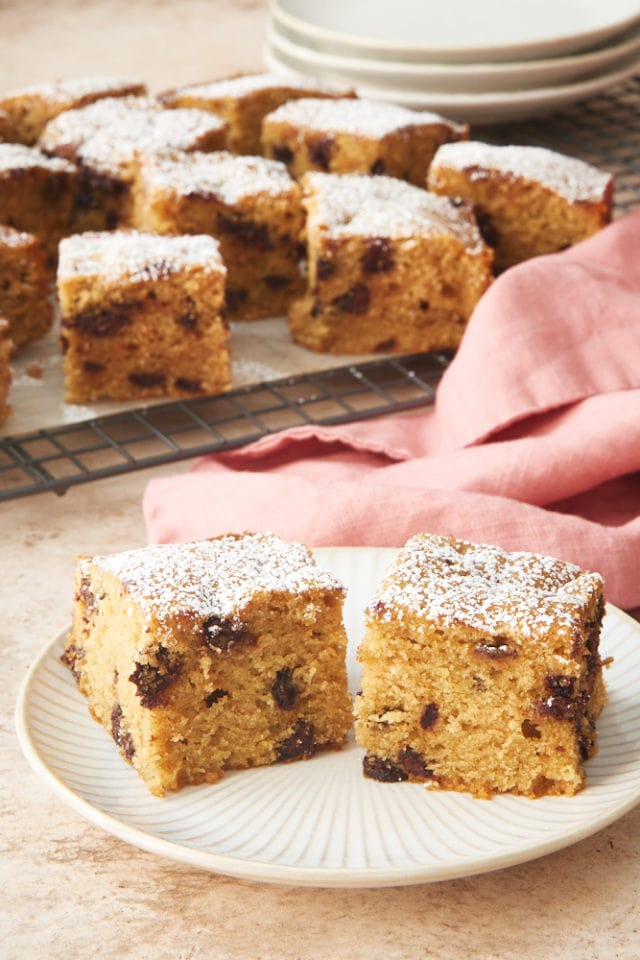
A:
486, 61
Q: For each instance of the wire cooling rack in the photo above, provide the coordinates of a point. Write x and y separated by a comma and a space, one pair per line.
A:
604, 130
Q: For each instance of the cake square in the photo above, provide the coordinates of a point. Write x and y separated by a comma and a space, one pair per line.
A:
244, 100
211, 656
105, 140
24, 286
390, 267
6, 348
481, 670
30, 108
529, 201
356, 136
253, 208
36, 195
142, 316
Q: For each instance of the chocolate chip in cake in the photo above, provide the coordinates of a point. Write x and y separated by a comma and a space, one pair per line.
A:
245, 230
120, 734
423, 305
285, 692
91, 366
486, 227
378, 257
276, 281
355, 300
189, 386
415, 764
220, 634
281, 152
215, 696
300, 744
151, 680
496, 648
320, 153
429, 716
562, 703
530, 731
325, 268
386, 771
190, 315
103, 322
147, 380
378, 168
71, 657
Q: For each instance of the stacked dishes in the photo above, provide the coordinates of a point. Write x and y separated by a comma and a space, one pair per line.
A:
485, 62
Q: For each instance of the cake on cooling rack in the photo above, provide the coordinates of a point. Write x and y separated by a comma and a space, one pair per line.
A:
36, 194
481, 671
142, 316
105, 140
30, 108
528, 200
356, 136
24, 286
251, 205
390, 267
243, 100
211, 656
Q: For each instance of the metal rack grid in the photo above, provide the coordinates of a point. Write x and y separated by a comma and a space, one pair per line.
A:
60, 457
604, 130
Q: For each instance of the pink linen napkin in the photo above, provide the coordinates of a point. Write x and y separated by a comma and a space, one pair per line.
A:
533, 444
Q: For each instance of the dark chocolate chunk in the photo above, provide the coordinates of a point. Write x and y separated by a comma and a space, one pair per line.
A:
103, 322
215, 695
120, 734
245, 230
91, 366
276, 281
152, 680
562, 703
355, 300
282, 152
486, 227
71, 657
378, 257
189, 386
285, 692
190, 315
530, 731
325, 268
429, 716
378, 167
300, 744
320, 152
415, 764
220, 634
147, 380
386, 771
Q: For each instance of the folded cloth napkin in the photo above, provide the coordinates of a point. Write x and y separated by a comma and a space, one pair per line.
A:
533, 443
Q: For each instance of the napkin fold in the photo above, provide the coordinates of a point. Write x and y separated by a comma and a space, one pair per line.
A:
533, 442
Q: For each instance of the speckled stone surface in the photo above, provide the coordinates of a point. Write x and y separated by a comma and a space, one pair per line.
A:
70, 891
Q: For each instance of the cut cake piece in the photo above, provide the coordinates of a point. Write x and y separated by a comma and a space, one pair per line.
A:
210, 656
356, 136
31, 108
142, 316
528, 201
481, 670
390, 267
244, 100
253, 208
105, 140
24, 286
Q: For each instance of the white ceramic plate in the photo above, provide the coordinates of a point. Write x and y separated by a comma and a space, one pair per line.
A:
494, 107
456, 30
469, 78
321, 823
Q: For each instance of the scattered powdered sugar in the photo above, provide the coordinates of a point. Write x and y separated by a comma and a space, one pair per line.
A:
136, 256
456, 582
77, 88
213, 577
108, 134
354, 204
242, 86
15, 156
221, 174
9, 237
360, 117
571, 178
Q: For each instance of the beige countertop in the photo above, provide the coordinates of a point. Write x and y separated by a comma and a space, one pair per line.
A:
70, 890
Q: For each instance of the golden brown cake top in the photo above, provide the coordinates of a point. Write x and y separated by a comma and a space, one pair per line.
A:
10, 237
214, 578
15, 156
114, 256
354, 204
243, 85
358, 117
109, 133
457, 583
220, 174
66, 92
571, 178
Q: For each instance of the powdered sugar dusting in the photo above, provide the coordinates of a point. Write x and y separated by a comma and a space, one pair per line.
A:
15, 156
136, 256
242, 86
214, 577
355, 204
359, 117
61, 92
110, 133
571, 178
221, 174
9, 237
455, 582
